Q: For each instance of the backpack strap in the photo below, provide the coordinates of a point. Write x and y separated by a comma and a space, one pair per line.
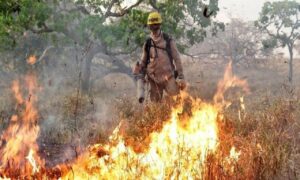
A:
147, 49
168, 39
148, 45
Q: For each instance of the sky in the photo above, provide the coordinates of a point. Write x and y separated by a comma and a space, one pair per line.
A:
247, 10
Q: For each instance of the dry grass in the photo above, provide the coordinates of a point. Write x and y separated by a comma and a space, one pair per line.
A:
139, 121
266, 134
268, 139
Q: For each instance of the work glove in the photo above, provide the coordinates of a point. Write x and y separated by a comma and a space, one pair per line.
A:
181, 83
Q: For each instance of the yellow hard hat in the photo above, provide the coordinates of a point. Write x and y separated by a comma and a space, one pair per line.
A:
154, 18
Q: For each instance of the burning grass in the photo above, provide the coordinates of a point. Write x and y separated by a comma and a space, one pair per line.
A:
265, 139
180, 138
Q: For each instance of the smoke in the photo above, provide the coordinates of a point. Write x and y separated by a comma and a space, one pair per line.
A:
69, 118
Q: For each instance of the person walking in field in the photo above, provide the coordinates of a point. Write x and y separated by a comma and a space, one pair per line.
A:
160, 62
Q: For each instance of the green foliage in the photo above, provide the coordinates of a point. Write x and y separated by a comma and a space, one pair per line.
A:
281, 21
122, 32
18, 16
183, 20
269, 43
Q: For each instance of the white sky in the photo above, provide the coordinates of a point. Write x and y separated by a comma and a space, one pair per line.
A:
247, 10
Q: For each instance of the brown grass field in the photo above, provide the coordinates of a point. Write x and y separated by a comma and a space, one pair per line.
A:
266, 132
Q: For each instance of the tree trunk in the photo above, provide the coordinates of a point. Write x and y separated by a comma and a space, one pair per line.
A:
96, 47
291, 63
86, 76
85, 85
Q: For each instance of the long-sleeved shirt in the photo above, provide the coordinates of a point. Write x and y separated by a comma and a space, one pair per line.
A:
159, 68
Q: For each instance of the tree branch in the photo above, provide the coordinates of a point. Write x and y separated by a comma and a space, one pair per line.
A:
44, 53
109, 7
45, 29
297, 36
270, 34
278, 29
122, 12
295, 26
83, 10
80, 8
153, 4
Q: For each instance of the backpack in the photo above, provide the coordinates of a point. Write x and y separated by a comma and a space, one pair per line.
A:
168, 39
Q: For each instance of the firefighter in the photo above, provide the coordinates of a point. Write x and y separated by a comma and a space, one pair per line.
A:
160, 63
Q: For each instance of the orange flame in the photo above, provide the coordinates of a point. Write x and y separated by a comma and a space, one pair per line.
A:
233, 154
242, 104
31, 59
179, 151
22, 133
229, 81
232, 159
32, 161
16, 90
176, 151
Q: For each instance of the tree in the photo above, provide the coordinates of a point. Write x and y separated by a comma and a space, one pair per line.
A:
111, 27
239, 42
280, 20
16, 16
